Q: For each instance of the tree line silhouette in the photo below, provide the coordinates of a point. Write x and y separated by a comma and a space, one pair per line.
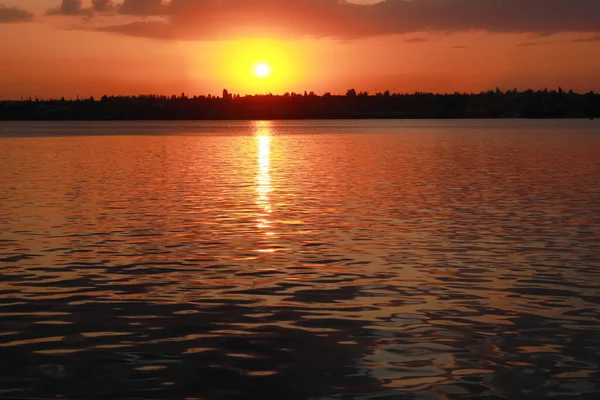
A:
353, 105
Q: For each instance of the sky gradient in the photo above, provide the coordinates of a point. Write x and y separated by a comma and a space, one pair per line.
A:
54, 48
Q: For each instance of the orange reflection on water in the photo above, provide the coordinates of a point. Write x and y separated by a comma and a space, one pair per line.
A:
263, 176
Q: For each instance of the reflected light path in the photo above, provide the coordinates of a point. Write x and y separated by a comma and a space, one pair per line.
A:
263, 176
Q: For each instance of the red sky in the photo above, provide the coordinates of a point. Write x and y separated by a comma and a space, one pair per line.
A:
54, 48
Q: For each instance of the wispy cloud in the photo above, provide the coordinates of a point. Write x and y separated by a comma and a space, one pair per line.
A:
14, 15
148, 7
104, 5
595, 38
70, 7
416, 40
215, 19
529, 44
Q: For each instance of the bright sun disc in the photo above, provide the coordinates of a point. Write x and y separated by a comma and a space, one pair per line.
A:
262, 70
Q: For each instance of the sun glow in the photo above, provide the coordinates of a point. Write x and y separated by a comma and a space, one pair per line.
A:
250, 66
262, 70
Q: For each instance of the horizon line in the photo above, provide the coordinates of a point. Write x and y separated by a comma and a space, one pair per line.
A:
305, 93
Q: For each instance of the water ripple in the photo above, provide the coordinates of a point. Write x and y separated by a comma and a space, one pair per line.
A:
263, 261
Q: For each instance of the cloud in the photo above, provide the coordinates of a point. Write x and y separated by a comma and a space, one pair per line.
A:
595, 38
104, 5
14, 14
416, 40
146, 7
216, 19
70, 7
529, 44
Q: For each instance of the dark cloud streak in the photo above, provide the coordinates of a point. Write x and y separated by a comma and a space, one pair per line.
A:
104, 5
14, 15
595, 38
528, 44
71, 8
147, 7
216, 19
416, 40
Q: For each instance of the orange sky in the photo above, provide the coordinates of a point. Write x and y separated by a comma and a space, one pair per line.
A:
70, 55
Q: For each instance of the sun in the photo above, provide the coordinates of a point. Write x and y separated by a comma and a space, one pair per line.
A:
262, 70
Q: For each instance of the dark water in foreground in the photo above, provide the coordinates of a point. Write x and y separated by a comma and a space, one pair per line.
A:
300, 260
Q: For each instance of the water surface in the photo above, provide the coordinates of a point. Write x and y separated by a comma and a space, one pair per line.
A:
300, 260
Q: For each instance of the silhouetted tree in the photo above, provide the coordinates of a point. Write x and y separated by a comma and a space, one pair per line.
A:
492, 103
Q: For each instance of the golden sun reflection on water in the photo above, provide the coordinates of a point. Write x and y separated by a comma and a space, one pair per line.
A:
263, 177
